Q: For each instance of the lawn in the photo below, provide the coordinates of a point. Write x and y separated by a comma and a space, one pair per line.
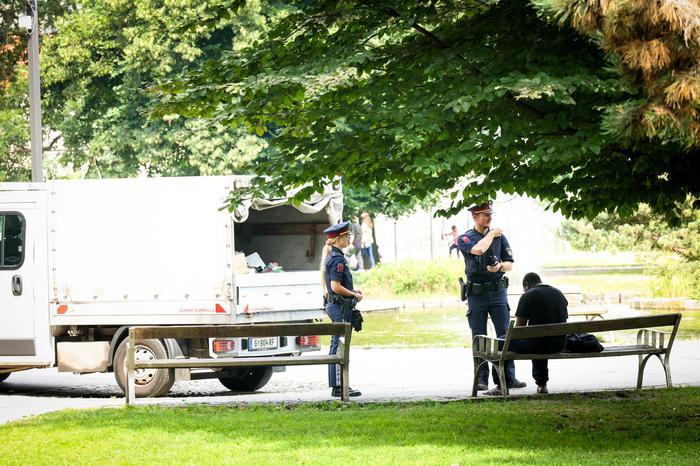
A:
648, 427
633, 282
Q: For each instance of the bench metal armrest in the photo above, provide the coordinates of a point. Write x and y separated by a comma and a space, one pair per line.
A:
485, 345
655, 338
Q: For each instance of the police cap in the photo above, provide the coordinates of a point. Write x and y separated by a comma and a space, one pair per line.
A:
484, 208
338, 229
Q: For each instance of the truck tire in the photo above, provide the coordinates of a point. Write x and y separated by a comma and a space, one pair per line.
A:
4, 376
248, 380
149, 382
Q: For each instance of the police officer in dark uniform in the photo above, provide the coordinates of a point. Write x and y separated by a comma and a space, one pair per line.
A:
337, 280
487, 256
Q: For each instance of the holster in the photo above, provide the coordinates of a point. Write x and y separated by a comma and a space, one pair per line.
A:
463, 289
348, 310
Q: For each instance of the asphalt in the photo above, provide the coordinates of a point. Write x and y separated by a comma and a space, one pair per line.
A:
381, 374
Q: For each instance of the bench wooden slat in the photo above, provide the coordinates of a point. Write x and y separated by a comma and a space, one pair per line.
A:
238, 362
245, 330
551, 330
608, 351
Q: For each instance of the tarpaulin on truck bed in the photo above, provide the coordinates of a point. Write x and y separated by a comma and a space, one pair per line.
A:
331, 201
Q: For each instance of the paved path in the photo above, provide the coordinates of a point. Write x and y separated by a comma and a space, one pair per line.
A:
381, 374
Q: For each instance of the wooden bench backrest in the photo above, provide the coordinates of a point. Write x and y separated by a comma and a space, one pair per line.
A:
552, 330
246, 330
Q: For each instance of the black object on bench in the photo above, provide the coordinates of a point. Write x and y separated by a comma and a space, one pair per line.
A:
649, 343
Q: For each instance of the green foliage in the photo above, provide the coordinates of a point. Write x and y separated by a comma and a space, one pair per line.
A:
655, 46
13, 40
105, 55
676, 279
412, 278
414, 98
648, 232
647, 427
15, 154
644, 230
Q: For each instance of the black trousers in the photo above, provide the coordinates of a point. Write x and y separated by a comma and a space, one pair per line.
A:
540, 371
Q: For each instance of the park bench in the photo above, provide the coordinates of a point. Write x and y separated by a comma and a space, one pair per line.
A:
649, 343
231, 331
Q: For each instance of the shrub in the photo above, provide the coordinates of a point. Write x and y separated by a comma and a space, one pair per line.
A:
675, 279
411, 277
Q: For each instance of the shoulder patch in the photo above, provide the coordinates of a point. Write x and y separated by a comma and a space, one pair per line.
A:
466, 239
340, 267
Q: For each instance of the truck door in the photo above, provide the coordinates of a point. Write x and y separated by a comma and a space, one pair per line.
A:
17, 316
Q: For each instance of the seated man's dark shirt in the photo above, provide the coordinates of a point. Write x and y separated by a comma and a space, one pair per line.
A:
543, 304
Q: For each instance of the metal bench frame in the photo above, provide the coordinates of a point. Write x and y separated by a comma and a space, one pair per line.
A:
231, 331
649, 343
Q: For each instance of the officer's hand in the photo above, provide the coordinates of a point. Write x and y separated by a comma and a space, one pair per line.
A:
359, 295
494, 268
496, 232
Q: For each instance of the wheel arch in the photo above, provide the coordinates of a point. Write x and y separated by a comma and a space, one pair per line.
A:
172, 346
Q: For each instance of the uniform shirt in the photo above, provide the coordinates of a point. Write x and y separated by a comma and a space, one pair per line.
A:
543, 304
475, 266
337, 269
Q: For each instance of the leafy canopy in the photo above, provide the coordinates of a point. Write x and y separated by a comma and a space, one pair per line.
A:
412, 98
99, 64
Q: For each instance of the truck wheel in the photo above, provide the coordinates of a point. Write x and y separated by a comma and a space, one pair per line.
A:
149, 382
248, 380
4, 376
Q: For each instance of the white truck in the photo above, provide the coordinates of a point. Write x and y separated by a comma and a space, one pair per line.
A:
82, 260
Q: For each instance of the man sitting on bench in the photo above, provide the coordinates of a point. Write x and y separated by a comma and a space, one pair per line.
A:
540, 304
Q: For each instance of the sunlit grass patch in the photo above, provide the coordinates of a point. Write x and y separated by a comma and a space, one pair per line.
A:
649, 427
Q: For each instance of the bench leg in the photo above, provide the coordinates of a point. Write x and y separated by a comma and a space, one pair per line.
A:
477, 368
502, 377
667, 368
346, 382
640, 370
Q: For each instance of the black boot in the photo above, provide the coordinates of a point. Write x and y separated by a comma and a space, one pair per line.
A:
338, 392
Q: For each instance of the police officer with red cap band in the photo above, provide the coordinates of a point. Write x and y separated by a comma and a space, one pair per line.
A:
487, 256
337, 280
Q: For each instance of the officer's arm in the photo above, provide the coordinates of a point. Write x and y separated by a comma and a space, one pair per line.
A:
485, 243
337, 288
506, 267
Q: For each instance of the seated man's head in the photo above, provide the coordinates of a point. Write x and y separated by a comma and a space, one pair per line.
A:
531, 279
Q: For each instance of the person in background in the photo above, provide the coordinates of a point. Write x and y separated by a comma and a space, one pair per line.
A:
337, 280
452, 241
487, 256
539, 305
367, 238
356, 241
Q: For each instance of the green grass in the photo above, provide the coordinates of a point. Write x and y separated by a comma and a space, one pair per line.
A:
438, 279
648, 427
690, 323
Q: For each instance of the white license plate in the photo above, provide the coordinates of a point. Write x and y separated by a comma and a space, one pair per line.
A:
268, 343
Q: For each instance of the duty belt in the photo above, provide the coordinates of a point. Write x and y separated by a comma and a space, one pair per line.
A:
475, 289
